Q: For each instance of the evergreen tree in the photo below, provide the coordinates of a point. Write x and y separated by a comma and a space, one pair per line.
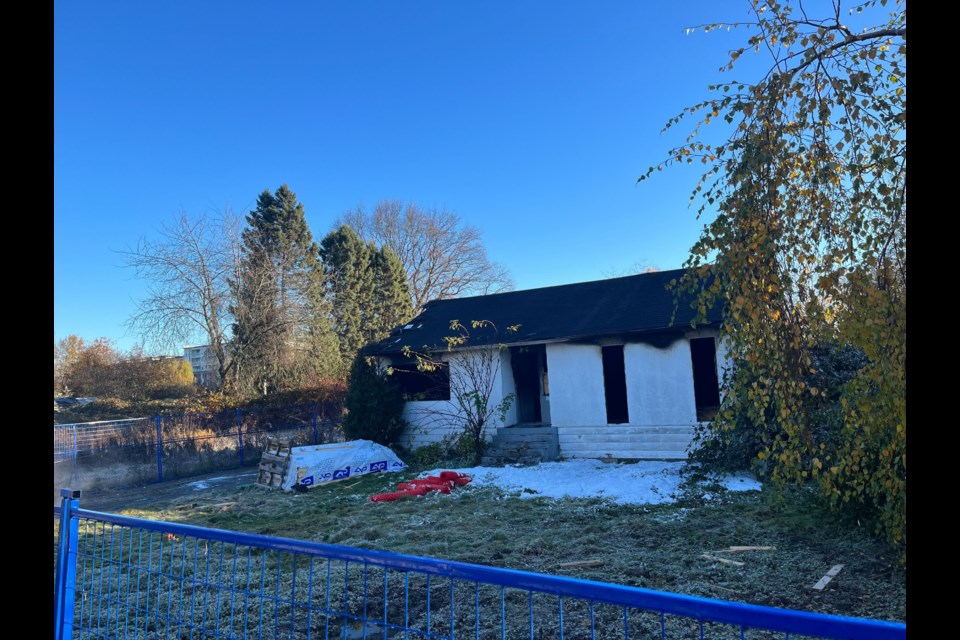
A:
368, 288
392, 300
323, 347
282, 328
374, 404
350, 277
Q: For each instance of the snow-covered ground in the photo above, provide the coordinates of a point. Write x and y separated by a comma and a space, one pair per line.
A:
635, 483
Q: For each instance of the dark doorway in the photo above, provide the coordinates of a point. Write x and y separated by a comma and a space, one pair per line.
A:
706, 387
526, 376
615, 385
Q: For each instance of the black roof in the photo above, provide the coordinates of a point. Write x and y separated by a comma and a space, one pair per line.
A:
614, 307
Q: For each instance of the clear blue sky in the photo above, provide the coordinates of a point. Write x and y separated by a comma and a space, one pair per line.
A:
532, 120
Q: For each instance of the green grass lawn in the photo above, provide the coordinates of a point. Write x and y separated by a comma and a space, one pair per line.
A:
659, 547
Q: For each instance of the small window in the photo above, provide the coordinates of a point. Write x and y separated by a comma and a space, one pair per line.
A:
423, 385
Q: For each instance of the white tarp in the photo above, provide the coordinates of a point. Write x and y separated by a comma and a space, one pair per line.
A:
328, 462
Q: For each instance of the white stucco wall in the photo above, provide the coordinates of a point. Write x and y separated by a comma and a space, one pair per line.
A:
576, 385
660, 384
724, 363
660, 397
430, 420
508, 386
545, 415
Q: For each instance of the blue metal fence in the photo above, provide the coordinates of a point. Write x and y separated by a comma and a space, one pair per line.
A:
122, 577
186, 444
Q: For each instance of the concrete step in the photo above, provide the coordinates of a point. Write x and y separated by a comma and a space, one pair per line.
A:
533, 442
527, 434
522, 445
499, 461
544, 450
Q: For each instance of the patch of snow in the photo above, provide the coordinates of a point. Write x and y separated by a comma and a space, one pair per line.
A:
645, 482
739, 482
200, 485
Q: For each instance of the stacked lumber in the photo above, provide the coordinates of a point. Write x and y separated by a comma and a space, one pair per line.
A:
274, 463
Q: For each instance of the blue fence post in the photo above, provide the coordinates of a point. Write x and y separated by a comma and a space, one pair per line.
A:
159, 449
315, 440
65, 588
240, 433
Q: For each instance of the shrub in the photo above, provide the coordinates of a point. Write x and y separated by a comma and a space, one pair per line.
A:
736, 447
429, 455
454, 451
374, 404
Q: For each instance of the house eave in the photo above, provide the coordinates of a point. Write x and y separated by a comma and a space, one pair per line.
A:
582, 338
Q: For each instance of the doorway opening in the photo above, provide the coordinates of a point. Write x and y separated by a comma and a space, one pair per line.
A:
706, 387
528, 365
615, 385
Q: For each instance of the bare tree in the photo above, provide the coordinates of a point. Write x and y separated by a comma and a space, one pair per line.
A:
187, 270
638, 267
442, 256
473, 370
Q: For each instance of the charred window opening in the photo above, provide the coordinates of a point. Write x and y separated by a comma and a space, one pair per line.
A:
423, 385
706, 386
615, 385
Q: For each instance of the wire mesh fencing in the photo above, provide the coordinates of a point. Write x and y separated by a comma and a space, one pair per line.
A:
136, 579
160, 447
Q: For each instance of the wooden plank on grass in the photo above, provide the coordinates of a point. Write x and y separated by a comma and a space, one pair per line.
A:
723, 560
580, 564
827, 578
739, 549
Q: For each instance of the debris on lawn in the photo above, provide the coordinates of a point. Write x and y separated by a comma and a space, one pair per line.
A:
442, 483
734, 549
827, 578
580, 564
734, 563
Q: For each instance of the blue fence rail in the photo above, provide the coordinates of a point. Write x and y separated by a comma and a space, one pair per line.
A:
123, 577
184, 444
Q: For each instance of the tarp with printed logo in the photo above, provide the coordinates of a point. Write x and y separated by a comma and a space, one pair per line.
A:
338, 461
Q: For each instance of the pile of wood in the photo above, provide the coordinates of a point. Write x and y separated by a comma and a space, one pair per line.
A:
274, 463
